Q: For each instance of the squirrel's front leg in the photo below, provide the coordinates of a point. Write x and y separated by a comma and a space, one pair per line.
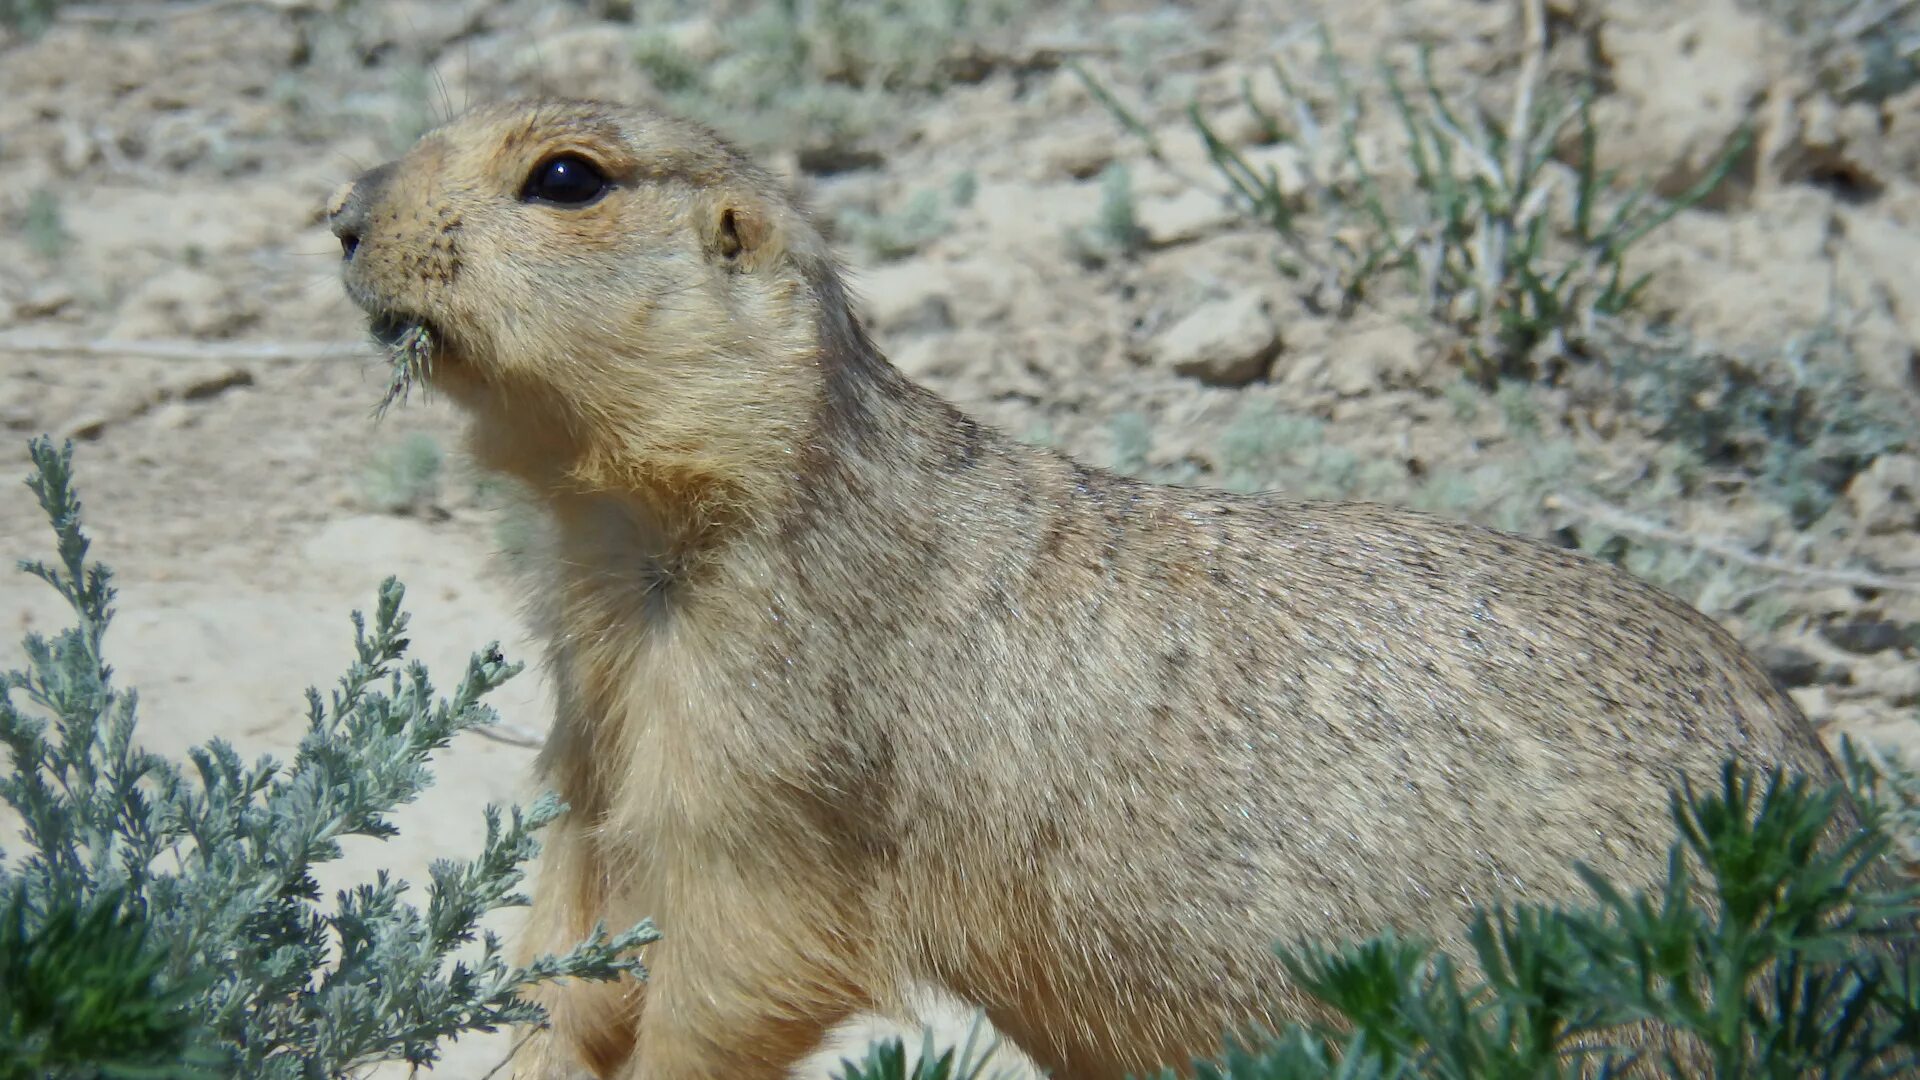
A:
591, 1025
745, 1007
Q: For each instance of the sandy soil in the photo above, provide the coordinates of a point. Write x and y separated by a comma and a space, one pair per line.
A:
169, 299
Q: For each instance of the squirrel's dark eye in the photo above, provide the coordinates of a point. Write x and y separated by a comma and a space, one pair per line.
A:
567, 180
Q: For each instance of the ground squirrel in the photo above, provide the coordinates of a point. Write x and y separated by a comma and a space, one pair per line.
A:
855, 693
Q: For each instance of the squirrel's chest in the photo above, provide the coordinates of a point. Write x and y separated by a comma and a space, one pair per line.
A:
697, 802
676, 731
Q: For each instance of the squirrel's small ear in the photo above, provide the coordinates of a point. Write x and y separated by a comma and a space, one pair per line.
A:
741, 235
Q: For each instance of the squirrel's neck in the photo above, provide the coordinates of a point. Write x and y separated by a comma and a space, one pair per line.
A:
882, 460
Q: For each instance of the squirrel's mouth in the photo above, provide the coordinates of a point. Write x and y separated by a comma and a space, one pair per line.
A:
389, 327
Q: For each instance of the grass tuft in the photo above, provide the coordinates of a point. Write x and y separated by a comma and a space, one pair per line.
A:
1500, 240
411, 358
819, 74
888, 1059
44, 228
28, 16
1115, 232
888, 235
404, 477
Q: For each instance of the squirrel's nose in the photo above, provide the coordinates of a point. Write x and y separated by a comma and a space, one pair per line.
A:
351, 207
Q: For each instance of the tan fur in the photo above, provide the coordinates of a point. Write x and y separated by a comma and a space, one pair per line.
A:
856, 694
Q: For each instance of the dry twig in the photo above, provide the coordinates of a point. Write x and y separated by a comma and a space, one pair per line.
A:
511, 734
1627, 524
116, 14
183, 349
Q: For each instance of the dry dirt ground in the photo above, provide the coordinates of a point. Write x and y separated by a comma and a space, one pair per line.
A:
1746, 437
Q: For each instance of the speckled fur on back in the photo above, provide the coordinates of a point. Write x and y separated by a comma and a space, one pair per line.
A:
855, 694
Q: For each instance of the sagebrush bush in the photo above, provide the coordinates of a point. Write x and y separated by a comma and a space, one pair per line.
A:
83, 993
1798, 420
1765, 953
162, 912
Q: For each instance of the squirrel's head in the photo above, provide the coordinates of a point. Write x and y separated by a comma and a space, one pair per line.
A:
620, 298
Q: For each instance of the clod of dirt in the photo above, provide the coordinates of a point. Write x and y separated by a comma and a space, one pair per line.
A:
554, 65
1687, 78
1881, 247
184, 302
1228, 342
1866, 634
906, 298
1886, 494
1182, 218
1894, 680
832, 158
1822, 143
1387, 354
932, 315
1793, 667
189, 382
1081, 156
1900, 119
203, 383
44, 300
